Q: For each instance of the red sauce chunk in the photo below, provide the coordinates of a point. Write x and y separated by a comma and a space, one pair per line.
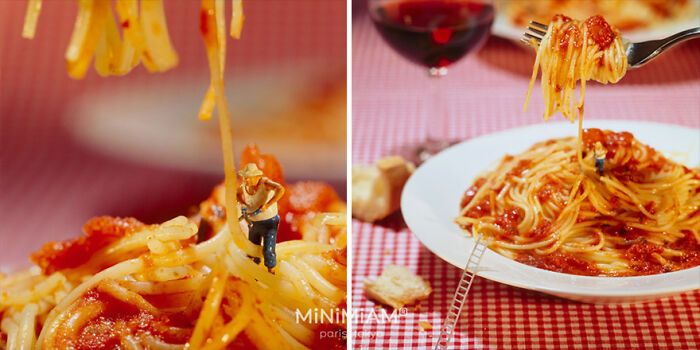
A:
306, 200
691, 248
600, 31
99, 232
631, 234
479, 210
541, 230
306, 196
560, 262
206, 24
549, 189
117, 320
522, 167
612, 141
642, 260
471, 192
508, 221
569, 33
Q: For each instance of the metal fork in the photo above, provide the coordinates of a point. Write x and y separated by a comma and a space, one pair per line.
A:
638, 54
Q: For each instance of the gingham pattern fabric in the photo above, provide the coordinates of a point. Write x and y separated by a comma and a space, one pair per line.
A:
50, 185
485, 93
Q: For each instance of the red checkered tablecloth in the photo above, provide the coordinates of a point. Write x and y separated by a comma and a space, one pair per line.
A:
485, 93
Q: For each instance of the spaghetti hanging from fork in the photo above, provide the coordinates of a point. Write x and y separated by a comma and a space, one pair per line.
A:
569, 51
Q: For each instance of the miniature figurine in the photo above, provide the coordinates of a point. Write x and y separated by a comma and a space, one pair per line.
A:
599, 153
258, 196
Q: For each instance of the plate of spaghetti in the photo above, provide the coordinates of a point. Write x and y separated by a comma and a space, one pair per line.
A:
435, 197
196, 281
594, 214
128, 285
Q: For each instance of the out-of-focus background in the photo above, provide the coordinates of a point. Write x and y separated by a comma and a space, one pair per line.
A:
132, 145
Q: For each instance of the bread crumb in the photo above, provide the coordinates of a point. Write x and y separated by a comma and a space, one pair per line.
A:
397, 286
425, 325
387, 252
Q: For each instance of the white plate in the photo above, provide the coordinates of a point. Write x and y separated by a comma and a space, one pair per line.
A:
504, 28
157, 123
431, 197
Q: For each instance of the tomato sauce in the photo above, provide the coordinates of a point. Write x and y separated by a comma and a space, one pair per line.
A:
330, 337
306, 200
612, 141
560, 262
118, 320
622, 230
568, 34
508, 221
600, 31
548, 190
479, 210
643, 256
642, 260
471, 192
99, 232
541, 231
522, 167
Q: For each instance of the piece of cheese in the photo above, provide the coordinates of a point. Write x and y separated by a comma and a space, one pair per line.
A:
397, 286
376, 190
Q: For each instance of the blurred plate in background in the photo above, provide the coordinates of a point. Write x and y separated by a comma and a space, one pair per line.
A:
638, 20
296, 112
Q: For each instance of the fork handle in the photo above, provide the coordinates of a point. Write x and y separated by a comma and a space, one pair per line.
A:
668, 42
681, 36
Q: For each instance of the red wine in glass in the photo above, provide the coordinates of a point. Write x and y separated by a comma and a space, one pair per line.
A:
433, 33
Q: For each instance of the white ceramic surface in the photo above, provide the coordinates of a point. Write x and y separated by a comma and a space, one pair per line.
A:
430, 203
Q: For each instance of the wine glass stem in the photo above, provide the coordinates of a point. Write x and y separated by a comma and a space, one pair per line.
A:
437, 118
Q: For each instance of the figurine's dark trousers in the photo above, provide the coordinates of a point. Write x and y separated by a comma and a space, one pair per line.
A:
266, 231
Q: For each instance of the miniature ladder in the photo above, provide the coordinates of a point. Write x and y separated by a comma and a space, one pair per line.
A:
455, 310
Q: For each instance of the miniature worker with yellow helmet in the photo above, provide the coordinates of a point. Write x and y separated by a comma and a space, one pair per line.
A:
258, 196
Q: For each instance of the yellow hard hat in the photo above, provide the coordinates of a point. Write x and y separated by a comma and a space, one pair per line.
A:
250, 170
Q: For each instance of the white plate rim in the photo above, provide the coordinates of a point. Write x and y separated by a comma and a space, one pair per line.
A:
493, 260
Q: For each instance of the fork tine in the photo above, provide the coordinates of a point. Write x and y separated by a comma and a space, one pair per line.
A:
537, 31
527, 37
539, 25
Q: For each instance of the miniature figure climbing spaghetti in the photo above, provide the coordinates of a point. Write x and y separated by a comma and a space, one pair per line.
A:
600, 204
193, 282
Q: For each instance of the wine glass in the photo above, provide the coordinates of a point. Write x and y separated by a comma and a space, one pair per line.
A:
433, 34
